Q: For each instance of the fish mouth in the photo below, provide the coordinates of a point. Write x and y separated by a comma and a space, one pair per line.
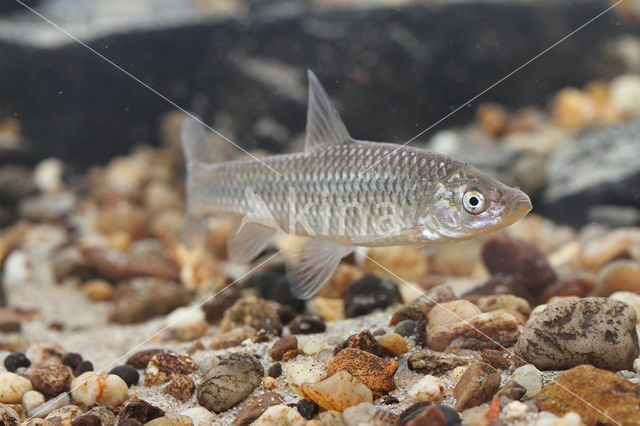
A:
519, 204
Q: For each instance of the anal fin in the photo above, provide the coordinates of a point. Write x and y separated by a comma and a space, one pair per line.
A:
315, 265
247, 242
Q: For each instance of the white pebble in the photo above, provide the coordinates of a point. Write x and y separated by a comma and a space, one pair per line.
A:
207, 364
631, 299
545, 418
452, 312
68, 412
280, 415
13, 388
429, 388
515, 410
625, 93
569, 419
528, 376
636, 365
186, 323
31, 400
304, 371
47, 175
313, 346
53, 404
104, 389
16, 268
457, 373
199, 415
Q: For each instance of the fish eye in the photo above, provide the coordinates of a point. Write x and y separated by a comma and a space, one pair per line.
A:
473, 202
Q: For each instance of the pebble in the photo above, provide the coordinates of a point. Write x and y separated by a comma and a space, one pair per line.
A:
87, 419
71, 359
162, 367
512, 390
422, 305
338, 392
636, 365
427, 362
66, 413
16, 360
529, 378
171, 420
275, 370
83, 367
369, 293
405, 328
330, 309
186, 323
283, 345
141, 359
514, 411
487, 330
307, 408
181, 387
269, 383
478, 384
51, 379
129, 374
619, 275
143, 298
592, 330
452, 312
258, 313
307, 324
229, 382
512, 256
13, 387
589, 387
313, 346
431, 415
393, 344
428, 388
275, 286
199, 415
497, 358
624, 91
364, 341
280, 415
504, 301
32, 399
104, 389
457, 373
98, 290
336, 287
306, 370
373, 371
366, 413
255, 407
151, 266
104, 414
9, 416
47, 207
215, 308
397, 263
141, 411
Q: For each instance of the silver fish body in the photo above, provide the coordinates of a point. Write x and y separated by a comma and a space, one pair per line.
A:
343, 193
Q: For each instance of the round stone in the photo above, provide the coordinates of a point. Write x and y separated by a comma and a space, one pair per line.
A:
16, 360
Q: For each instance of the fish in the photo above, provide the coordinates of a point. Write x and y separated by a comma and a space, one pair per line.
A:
341, 193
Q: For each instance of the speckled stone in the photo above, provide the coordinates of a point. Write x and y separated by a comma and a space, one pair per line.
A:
595, 331
373, 371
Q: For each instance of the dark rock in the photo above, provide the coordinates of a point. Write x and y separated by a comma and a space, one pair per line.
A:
307, 324
229, 382
286, 313
141, 411
405, 328
421, 330
104, 413
307, 408
51, 379
503, 254
500, 284
214, 308
83, 367
369, 293
513, 390
86, 420
140, 359
181, 387
423, 304
284, 344
254, 408
412, 411
428, 416
451, 416
275, 370
275, 286
16, 360
574, 186
127, 373
427, 362
478, 384
596, 331
71, 359
364, 341
144, 298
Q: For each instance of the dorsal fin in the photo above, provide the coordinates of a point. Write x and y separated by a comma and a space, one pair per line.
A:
324, 125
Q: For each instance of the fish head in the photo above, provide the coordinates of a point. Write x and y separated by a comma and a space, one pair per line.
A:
467, 203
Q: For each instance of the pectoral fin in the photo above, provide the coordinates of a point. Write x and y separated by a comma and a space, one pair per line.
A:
248, 241
314, 266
